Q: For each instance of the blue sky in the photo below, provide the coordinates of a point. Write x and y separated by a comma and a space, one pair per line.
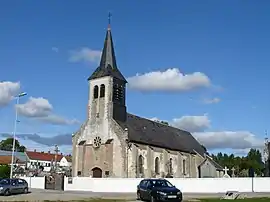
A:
210, 61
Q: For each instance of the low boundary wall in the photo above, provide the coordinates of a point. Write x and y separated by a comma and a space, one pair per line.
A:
186, 185
35, 182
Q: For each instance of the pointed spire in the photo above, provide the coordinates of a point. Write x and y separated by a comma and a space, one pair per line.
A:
108, 55
108, 65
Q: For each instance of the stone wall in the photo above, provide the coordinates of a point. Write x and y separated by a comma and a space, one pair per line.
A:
168, 161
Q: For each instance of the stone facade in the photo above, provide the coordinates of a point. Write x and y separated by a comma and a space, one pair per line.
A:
103, 148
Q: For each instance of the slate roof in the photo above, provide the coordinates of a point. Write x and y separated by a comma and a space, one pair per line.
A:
108, 66
217, 166
145, 131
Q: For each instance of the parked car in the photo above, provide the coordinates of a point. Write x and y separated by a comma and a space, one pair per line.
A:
13, 186
158, 190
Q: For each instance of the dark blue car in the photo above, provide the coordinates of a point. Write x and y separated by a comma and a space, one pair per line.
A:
158, 190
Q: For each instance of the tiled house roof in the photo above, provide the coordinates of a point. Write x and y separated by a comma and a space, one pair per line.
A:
42, 156
5, 160
69, 158
20, 155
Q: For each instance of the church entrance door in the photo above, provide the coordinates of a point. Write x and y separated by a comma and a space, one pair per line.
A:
97, 172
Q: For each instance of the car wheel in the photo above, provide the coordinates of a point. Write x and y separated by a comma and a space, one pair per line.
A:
25, 191
139, 197
6, 192
153, 199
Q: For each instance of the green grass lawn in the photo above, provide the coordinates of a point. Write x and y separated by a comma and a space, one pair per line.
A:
92, 200
244, 200
202, 200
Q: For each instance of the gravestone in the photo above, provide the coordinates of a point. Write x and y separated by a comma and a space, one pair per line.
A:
226, 175
233, 170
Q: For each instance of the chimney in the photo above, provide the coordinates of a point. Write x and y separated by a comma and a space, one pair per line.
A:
49, 152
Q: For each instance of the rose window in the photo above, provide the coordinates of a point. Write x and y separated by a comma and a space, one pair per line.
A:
97, 142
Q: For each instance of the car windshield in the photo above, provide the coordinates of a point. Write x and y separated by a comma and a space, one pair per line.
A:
5, 182
161, 183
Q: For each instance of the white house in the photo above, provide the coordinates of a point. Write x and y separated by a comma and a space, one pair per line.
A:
46, 160
65, 161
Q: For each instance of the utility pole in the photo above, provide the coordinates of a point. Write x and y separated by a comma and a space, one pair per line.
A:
15, 130
56, 150
266, 155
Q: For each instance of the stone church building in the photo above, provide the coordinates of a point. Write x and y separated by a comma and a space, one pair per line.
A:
115, 143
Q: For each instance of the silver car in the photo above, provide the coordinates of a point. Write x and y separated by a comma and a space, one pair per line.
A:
13, 186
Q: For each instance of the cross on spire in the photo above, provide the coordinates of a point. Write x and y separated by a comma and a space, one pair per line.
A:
109, 20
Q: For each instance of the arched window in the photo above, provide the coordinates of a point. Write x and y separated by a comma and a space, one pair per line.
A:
184, 166
170, 167
156, 165
95, 92
102, 90
141, 169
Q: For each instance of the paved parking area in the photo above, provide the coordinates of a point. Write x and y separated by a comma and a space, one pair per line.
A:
40, 195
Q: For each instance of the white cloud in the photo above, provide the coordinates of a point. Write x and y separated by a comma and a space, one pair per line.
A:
40, 109
169, 80
238, 141
85, 55
212, 101
192, 123
55, 49
8, 90
35, 107
58, 120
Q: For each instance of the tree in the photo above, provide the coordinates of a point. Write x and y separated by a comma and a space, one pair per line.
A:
4, 171
7, 145
241, 164
254, 159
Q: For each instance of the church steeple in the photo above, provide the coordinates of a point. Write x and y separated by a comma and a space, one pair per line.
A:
108, 65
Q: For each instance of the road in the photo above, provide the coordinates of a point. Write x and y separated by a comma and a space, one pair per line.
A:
40, 195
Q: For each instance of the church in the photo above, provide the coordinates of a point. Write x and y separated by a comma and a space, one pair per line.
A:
115, 143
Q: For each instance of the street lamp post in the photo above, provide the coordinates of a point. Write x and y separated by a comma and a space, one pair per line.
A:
14, 131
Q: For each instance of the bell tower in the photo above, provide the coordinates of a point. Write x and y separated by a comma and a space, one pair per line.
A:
107, 87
